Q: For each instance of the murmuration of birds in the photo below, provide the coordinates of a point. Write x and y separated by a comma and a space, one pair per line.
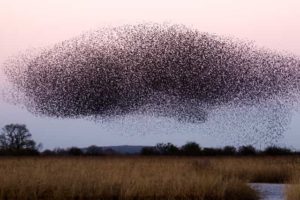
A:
165, 70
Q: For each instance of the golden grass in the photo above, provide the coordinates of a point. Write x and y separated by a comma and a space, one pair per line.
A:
139, 177
293, 192
293, 189
258, 169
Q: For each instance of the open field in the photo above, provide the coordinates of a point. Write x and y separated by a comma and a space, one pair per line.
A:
204, 178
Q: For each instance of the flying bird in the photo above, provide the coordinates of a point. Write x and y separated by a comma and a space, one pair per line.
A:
167, 70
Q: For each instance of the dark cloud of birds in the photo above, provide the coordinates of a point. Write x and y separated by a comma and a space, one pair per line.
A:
158, 69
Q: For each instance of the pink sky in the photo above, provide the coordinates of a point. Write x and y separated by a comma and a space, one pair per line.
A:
26, 24
35, 23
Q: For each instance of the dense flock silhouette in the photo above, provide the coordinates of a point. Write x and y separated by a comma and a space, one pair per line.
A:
159, 69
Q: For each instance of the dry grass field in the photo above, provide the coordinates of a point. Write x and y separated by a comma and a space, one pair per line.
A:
202, 178
293, 190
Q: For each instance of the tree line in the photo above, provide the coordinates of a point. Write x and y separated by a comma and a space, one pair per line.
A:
194, 149
15, 139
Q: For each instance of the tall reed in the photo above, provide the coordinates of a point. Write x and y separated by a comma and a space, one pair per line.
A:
120, 178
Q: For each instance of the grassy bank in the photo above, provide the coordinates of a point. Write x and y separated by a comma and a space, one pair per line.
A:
140, 177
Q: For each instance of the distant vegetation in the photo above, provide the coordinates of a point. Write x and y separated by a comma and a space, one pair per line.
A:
15, 139
194, 149
168, 149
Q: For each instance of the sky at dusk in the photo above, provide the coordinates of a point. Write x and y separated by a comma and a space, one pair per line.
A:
273, 24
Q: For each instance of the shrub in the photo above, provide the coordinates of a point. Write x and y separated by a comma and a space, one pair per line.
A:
94, 151
74, 151
273, 150
247, 150
191, 149
148, 151
167, 149
212, 151
229, 150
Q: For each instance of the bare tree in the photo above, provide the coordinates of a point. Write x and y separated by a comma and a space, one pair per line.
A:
16, 137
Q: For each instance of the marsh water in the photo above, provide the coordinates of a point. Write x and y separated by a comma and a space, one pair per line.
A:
269, 191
